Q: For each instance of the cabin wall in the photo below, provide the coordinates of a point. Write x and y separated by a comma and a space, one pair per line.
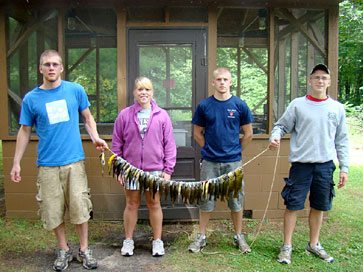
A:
108, 196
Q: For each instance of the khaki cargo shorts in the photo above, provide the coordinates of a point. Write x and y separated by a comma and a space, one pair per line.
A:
62, 188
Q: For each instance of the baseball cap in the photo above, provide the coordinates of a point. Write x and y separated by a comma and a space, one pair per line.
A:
321, 67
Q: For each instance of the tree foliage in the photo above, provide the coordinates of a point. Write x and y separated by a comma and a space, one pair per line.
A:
351, 51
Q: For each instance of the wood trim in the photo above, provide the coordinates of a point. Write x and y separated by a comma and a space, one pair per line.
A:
61, 43
121, 58
4, 117
212, 45
271, 68
333, 40
29, 30
298, 25
166, 24
282, 78
294, 65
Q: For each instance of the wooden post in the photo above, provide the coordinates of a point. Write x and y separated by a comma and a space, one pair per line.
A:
212, 45
121, 58
4, 117
61, 44
271, 68
332, 29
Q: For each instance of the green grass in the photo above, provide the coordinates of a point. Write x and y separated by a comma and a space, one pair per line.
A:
341, 235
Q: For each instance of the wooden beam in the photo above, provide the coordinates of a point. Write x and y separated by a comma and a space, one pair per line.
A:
310, 16
238, 91
255, 60
23, 68
29, 30
212, 45
39, 50
4, 116
294, 59
303, 29
121, 58
332, 29
248, 42
81, 58
281, 80
271, 69
16, 98
61, 43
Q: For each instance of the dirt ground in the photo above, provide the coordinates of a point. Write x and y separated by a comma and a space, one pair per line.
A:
107, 253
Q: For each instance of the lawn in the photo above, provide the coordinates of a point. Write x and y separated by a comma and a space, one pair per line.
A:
341, 235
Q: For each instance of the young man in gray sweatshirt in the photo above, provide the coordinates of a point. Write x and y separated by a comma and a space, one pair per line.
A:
319, 134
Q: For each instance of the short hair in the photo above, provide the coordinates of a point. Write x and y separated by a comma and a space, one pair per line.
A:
221, 70
143, 82
49, 52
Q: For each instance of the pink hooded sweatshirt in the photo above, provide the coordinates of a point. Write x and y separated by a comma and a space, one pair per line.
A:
157, 151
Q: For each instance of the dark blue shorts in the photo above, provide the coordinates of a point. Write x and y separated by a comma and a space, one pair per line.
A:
314, 177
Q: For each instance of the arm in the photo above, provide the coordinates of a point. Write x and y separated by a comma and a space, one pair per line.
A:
22, 141
283, 126
199, 135
342, 149
91, 128
247, 135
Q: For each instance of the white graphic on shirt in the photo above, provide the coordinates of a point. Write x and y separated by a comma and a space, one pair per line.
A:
57, 111
231, 113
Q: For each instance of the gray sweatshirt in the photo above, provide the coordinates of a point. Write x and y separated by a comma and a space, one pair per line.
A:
318, 131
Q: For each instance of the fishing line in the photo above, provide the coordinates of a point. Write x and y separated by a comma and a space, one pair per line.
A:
269, 198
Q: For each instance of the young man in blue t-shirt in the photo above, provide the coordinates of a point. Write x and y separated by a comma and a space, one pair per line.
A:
218, 121
54, 108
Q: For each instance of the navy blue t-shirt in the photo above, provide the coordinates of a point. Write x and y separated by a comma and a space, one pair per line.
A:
222, 121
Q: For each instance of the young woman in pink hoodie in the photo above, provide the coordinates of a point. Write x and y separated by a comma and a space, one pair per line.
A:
143, 135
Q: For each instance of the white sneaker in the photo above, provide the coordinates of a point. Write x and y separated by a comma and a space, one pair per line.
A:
158, 248
127, 247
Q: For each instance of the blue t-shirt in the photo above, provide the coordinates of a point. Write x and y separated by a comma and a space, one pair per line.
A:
55, 115
222, 121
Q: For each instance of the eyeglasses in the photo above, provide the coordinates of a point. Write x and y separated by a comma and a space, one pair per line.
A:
49, 64
317, 78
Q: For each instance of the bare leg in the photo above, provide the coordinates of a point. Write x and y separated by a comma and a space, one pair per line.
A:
82, 230
130, 212
155, 214
289, 225
237, 221
203, 221
60, 233
315, 222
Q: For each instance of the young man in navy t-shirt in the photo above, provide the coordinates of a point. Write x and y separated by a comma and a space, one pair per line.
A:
218, 121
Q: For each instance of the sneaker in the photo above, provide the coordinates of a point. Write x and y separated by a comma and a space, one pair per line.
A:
198, 243
319, 251
127, 247
158, 248
63, 258
87, 259
240, 242
285, 254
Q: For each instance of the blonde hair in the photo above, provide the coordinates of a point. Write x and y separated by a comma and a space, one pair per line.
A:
220, 70
49, 52
143, 82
